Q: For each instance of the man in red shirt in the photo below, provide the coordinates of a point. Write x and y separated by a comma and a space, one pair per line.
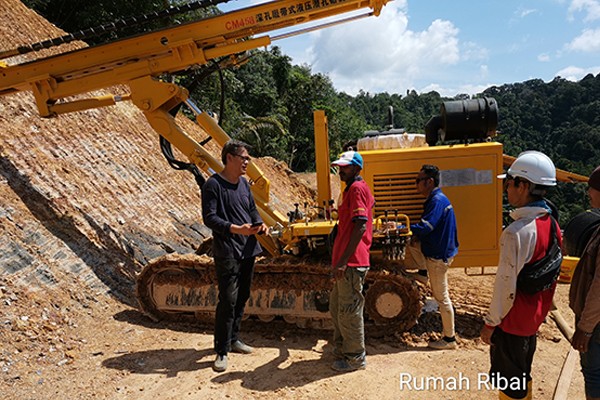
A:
350, 263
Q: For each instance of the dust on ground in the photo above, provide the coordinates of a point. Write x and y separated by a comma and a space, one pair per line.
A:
75, 345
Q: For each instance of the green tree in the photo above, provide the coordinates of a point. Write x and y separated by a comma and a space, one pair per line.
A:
76, 15
267, 135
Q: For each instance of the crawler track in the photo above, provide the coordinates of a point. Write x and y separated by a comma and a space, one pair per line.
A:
297, 289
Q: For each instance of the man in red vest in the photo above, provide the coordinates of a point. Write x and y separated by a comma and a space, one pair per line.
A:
515, 315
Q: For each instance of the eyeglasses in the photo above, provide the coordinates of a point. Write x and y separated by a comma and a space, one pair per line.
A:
515, 179
244, 158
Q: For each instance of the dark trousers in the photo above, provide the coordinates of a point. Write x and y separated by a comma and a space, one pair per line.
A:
511, 357
235, 278
590, 365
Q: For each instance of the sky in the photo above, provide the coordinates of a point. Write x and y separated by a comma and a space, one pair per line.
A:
452, 46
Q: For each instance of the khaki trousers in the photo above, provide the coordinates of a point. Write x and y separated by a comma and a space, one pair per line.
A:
438, 280
346, 304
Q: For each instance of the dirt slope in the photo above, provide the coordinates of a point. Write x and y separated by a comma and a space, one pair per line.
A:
86, 199
93, 187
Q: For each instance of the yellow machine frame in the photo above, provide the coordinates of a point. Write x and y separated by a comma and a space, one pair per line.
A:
467, 176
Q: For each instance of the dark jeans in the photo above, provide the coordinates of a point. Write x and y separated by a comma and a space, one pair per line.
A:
234, 277
511, 357
590, 365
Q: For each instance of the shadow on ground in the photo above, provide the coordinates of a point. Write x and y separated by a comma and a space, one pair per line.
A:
169, 362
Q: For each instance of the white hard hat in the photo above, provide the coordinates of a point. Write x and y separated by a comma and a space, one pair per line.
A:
534, 166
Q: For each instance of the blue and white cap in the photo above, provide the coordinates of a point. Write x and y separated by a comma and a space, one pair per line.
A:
349, 158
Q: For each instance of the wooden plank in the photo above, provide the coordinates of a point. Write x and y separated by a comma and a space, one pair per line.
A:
561, 391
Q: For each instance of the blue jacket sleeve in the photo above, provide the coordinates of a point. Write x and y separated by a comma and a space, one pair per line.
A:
432, 215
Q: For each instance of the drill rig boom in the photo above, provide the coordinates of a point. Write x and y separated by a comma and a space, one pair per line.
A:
140, 61
171, 287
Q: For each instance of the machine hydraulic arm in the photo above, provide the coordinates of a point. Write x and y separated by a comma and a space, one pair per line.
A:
64, 83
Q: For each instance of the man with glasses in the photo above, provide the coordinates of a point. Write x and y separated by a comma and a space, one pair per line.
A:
516, 312
228, 209
433, 246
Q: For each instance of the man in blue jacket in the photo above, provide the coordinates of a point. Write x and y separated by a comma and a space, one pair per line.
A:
433, 247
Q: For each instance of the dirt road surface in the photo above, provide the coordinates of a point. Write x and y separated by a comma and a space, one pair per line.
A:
97, 348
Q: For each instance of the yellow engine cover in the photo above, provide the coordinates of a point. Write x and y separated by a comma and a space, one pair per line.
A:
467, 176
